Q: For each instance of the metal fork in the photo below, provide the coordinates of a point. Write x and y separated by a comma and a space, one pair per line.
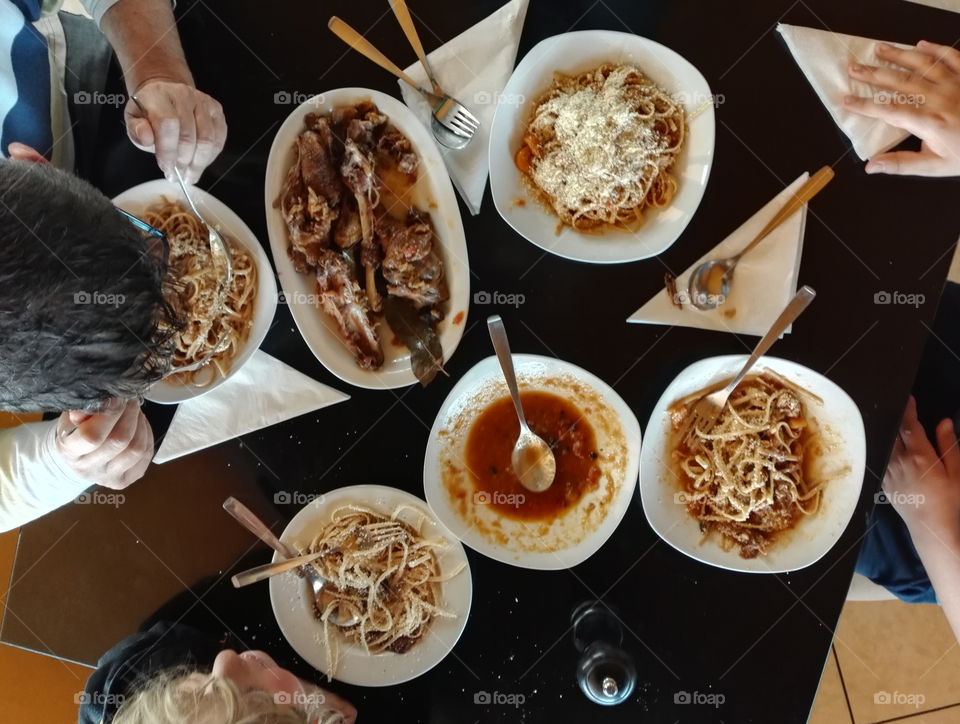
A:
315, 582
450, 113
708, 408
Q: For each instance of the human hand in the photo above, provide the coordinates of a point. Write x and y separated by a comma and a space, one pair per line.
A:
182, 125
923, 98
922, 486
112, 447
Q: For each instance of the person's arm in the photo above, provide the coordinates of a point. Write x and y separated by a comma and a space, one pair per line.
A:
44, 465
924, 487
182, 125
34, 479
921, 96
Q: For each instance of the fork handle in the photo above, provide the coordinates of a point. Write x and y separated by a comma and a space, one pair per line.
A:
793, 310
248, 519
402, 12
811, 188
363, 46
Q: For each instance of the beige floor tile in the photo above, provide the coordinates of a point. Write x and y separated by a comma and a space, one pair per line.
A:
954, 273
830, 706
950, 715
897, 659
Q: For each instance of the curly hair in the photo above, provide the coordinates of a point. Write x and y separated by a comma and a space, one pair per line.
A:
82, 312
164, 699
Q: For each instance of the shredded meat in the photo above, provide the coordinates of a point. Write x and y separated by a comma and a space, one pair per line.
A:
411, 266
342, 299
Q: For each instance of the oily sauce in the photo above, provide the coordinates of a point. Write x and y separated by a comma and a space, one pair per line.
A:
566, 430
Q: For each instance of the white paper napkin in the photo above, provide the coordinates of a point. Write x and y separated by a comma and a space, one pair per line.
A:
473, 67
264, 392
825, 58
765, 280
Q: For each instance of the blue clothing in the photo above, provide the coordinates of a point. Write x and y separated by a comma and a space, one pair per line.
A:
889, 558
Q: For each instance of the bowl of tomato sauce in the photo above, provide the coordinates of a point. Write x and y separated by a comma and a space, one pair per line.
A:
470, 483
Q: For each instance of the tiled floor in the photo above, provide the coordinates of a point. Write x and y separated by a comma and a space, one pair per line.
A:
890, 661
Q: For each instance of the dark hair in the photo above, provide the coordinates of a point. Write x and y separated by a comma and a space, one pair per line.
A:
82, 311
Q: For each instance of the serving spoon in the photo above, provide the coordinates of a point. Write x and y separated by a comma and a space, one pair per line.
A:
532, 459
710, 282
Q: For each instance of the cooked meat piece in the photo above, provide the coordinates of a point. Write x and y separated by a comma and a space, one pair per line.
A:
412, 268
348, 230
342, 299
340, 119
398, 147
359, 176
307, 216
316, 165
365, 132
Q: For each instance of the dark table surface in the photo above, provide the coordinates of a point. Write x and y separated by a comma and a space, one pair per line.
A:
88, 575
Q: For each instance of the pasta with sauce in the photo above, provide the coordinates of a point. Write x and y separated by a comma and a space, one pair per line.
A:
600, 147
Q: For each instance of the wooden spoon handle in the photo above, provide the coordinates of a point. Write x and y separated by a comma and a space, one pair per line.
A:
811, 188
363, 46
402, 12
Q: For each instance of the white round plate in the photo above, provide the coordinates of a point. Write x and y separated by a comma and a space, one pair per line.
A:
138, 199
838, 419
571, 54
304, 632
433, 193
586, 526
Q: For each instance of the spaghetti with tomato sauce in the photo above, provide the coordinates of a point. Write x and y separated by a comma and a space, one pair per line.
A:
570, 436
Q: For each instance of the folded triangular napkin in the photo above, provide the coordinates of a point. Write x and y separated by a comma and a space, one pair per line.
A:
765, 279
263, 392
825, 58
473, 67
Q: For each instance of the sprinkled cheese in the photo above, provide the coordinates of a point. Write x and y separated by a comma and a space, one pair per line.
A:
603, 144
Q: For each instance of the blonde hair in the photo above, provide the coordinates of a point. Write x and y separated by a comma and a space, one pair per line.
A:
163, 699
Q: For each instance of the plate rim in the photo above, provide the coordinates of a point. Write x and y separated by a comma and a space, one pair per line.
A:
531, 59
364, 491
217, 210
563, 559
649, 488
439, 177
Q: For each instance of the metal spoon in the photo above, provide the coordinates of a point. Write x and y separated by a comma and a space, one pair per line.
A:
532, 459
315, 582
710, 282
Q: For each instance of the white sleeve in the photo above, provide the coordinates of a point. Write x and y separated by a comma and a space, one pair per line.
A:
34, 478
97, 8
